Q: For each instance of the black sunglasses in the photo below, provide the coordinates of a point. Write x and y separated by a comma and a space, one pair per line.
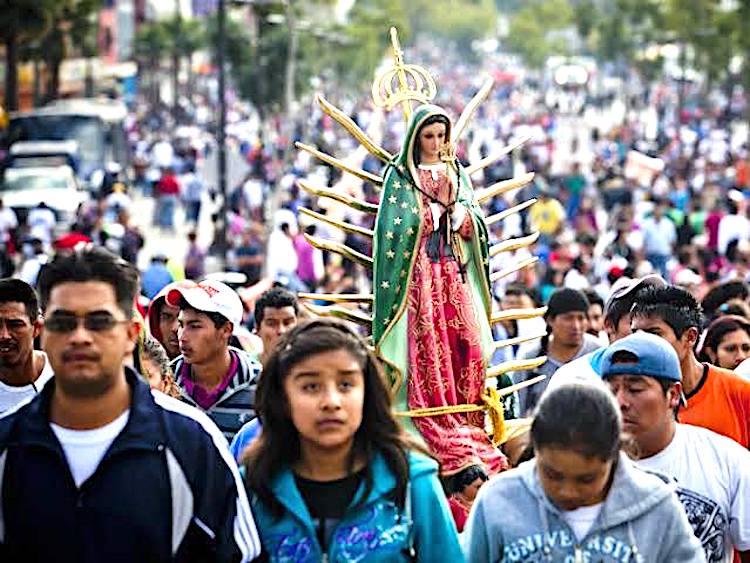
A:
95, 322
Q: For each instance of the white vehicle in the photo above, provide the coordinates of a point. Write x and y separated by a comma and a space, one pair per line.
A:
57, 186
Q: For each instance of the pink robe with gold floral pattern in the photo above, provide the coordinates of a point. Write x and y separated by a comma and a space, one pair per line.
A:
445, 353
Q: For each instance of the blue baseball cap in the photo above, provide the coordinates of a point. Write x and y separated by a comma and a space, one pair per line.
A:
655, 358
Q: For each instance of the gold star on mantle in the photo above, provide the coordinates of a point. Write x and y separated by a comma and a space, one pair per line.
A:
385, 285
390, 254
397, 221
389, 235
392, 199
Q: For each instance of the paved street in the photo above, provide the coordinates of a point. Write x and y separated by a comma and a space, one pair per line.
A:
175, 244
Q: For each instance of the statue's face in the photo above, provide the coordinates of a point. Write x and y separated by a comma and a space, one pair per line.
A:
431, 140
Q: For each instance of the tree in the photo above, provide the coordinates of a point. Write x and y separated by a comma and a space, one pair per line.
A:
151, 42
20, 21
458, 21
531, 30
71, 24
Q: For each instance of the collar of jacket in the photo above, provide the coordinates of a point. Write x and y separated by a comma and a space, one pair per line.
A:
248, 372
631, 494
285, 489
143, 430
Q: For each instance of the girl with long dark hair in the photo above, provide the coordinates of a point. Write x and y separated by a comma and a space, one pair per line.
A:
333, 477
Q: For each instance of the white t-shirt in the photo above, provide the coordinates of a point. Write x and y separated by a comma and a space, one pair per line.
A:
12, 396
84, 449
713, 483
8, 220
581, 520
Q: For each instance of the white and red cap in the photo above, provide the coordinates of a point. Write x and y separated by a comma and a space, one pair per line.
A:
209, 296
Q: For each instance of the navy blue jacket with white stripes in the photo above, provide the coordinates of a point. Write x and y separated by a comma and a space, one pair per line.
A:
167, 489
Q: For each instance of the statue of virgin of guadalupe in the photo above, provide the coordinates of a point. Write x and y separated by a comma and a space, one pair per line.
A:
432, 293
431, 302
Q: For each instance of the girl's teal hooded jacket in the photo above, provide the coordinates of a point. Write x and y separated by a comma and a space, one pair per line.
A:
375, 531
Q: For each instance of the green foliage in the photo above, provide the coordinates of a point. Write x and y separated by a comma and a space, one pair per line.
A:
532, 30
151, 43
458, 21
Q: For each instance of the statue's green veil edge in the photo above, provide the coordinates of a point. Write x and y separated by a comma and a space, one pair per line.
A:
398, 230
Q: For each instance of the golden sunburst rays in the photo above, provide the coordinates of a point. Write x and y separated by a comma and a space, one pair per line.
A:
469, 110
492, 219
497, 344
351, 315
517, 314
339, 297
347, 123
491, 159
342, 249
520, 265
485, 194
514, 243
354, 203
343, 225
341, 165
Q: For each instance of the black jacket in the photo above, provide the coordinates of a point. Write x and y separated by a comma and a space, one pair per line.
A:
166, 490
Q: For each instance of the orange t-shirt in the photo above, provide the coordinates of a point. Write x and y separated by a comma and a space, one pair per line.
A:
721, 404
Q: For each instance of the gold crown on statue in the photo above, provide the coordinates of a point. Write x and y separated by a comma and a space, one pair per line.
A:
402, 83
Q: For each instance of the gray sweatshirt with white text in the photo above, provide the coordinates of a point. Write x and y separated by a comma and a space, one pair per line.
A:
513, 521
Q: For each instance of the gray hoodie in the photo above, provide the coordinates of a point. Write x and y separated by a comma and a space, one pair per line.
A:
641, 521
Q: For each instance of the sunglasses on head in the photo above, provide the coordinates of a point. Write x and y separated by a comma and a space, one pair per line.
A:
98, 321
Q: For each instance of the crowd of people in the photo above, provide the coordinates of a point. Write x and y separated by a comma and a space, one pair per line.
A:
638, 454
163, 414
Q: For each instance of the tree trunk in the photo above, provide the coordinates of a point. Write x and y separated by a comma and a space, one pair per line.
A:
37, 87
89, 79
175, 86
53, 80
291, 60
11, 74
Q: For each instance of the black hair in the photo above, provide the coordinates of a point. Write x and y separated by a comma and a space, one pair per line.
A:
18, 291
87, 264
439, 118
583, 417
618, 308
275, 298
279, 443
458, 482
516, 289
716, 297
218, 319
594, 298
718, 329
673, 305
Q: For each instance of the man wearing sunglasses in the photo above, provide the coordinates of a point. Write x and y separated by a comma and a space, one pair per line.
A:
23, 370
212, 375
97, 467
